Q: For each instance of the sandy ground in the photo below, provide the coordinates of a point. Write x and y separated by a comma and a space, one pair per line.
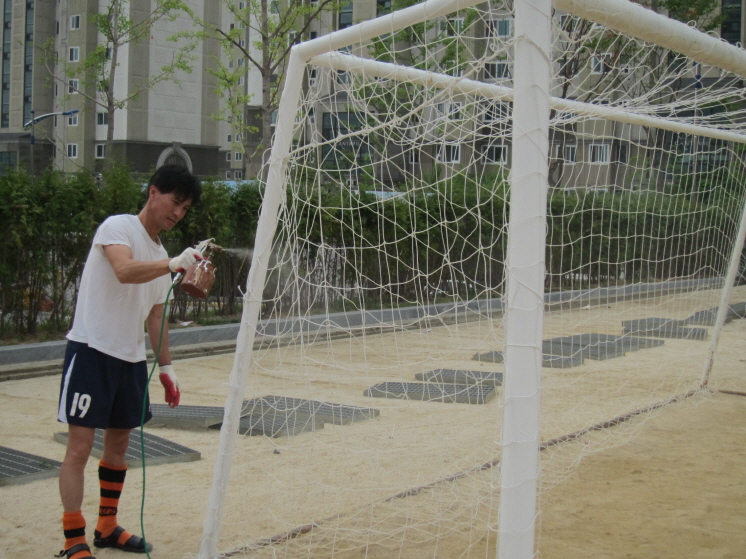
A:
667, 484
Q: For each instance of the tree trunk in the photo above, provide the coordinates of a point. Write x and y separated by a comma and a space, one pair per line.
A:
110, 108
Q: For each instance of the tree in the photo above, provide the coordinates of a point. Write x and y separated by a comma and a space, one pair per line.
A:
98, 69
274, 27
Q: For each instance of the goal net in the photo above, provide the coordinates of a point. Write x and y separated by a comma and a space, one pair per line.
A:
381, 281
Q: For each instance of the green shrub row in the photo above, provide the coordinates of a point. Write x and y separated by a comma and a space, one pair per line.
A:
49, 224
348, 249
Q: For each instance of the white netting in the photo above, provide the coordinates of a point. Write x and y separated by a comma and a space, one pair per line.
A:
389, 259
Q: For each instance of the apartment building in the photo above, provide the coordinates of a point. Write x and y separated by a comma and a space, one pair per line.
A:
585, 153
44, 44
178, 120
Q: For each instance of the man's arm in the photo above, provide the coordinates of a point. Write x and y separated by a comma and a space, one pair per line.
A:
166, 371
129, 270
153, 323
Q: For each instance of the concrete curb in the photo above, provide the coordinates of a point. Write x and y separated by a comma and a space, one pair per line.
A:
30, 360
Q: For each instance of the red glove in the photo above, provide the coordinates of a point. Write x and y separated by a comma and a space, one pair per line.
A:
171, 384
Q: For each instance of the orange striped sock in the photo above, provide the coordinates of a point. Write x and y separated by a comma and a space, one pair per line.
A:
73, 525
111, 480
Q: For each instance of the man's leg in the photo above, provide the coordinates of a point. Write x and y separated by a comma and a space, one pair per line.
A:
116, 442
111, 473
72, 476
72, 471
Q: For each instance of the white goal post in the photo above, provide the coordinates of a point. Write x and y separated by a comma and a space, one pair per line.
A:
533, 103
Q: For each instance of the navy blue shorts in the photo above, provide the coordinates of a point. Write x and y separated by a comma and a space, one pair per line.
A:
99, 390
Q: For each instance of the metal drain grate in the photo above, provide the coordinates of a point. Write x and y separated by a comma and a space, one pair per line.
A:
550, 361
275, 424
455, 376
157, 449
448, 393
337, 414
572, 345
18, 467
626, 342
185, 417
663, 328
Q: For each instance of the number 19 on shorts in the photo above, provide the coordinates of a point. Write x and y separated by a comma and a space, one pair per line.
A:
81, 403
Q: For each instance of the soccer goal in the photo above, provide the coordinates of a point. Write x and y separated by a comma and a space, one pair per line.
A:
469, 205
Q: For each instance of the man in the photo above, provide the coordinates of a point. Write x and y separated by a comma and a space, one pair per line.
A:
124, 285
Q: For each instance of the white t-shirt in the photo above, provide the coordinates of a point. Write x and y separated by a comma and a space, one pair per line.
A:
109, 315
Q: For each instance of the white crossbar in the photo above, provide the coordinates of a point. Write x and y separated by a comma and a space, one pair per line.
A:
355, 64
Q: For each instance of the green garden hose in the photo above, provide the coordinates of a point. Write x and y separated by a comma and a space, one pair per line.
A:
142, 419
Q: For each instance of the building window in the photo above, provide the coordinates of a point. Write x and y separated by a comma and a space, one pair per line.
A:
495, 154
384, 7
239, 156
598, 153
228, 175
238, 175
100, 151
453, 26
452, 110
228, 156
568, 22
622, 153
496, 70
102, 119
74, 54
342, 77
273, 118
72, 120
600, 64
498, 28
74, 22
274, 7
241, 80
72, 86
449, 153
345, 16
413, 157
72, 151
239, 137
568, 153
229, 138
730, 29
496, 111
292, 37
312, 77
313, 34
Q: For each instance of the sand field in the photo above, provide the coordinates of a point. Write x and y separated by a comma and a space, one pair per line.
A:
666, 484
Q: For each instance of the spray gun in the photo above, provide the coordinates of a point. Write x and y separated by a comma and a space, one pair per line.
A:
198, 279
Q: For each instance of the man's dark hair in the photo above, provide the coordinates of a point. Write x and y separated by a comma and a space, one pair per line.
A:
177, 179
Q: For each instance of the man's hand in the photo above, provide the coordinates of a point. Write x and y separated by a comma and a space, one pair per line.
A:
171, 384
184, 260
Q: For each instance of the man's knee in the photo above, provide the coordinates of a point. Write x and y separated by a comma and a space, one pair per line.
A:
116, 442
79, 444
